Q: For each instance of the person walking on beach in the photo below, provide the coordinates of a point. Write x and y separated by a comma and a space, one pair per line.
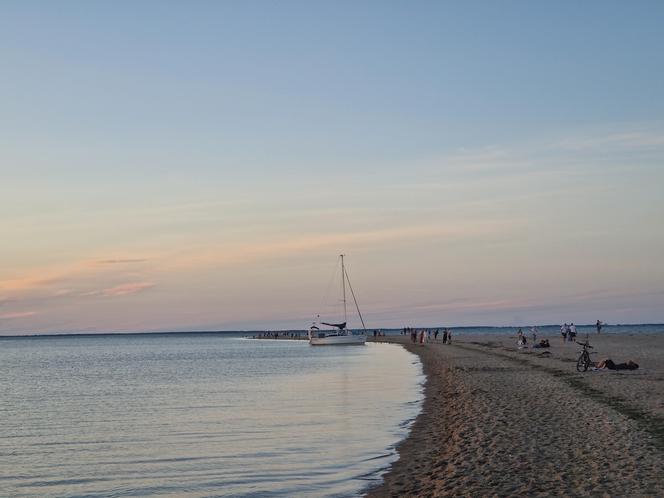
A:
449, 337
445, 336
599, 326
572, 332
563, 332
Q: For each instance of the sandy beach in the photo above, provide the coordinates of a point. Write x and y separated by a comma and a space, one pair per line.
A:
499, 421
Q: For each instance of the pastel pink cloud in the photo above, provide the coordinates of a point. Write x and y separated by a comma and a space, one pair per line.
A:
16, 314
123, 289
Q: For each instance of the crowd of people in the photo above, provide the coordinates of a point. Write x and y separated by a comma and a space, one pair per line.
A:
568, 332
422, 336
286, 334
522, 339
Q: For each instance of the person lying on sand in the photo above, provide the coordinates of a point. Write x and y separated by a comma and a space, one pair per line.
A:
544, 343
611, 365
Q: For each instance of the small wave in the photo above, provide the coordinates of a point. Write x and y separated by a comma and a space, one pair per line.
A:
407, 423
63, 482
378, 457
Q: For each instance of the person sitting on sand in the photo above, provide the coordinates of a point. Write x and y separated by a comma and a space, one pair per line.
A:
611, 365
521, 341
544, 343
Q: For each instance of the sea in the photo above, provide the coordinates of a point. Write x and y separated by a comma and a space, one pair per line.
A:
194, 415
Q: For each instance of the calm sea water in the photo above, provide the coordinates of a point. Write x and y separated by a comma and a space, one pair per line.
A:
199, 415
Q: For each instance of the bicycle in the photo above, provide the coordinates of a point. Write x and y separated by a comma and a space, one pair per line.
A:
583, 363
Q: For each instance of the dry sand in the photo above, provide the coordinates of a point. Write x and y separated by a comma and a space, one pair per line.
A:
498, 421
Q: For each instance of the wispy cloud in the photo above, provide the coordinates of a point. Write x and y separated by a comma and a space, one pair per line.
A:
287, 247
42, 277
63, 292
463, 304
121, 261
623, 140
16, 314
64, 274
120, 290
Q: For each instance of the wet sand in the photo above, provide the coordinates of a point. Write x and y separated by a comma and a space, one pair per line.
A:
498, 421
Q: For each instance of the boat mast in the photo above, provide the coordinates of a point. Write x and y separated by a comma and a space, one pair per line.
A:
343, 286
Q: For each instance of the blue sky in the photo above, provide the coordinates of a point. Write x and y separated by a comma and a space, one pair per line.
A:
481, 162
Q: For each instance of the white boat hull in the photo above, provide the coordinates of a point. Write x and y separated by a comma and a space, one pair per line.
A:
331, 340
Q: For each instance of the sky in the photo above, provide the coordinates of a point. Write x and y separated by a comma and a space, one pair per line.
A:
201, 165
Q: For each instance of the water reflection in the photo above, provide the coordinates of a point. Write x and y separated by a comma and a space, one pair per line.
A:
194, 416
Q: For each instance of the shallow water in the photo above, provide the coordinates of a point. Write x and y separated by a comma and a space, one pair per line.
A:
199, 415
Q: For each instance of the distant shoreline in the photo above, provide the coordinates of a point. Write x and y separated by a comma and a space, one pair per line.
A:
102, 334
391, 331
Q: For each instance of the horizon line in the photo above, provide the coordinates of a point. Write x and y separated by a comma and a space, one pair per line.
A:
211, 332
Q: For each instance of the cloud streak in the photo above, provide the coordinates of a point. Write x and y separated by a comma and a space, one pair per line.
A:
121, 290
45, 277
16, 314
624, 140
266, 250
121, 261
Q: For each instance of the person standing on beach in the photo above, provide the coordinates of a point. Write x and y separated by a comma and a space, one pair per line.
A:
445, 336
599, 326
572, 332
563, 332
449, 337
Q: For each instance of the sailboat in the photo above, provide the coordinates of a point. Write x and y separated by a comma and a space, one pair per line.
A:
339, 334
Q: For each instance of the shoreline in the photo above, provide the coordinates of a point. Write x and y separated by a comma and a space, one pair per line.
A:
496, 420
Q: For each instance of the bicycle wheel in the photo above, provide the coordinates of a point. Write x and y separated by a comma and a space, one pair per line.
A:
587, 360
583, 362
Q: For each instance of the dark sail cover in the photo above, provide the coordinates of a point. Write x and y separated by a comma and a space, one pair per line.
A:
340, 326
